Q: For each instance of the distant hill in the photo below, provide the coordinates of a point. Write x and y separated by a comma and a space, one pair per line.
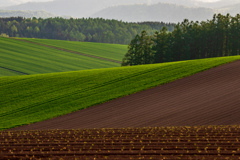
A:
26, 14
233, 9
176, 11
217, 4
5, 3
75, 8
86, 8
157, 12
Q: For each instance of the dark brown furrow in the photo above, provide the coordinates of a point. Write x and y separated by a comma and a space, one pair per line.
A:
202, 142
207, 98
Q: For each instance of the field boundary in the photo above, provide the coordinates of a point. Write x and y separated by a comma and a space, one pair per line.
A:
14, 70
70, 51
205, 98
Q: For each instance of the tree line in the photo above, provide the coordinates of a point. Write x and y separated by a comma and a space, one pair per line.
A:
85, 29
217, 37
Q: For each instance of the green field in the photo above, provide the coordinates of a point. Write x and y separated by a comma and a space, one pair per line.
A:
35, 59
5, 72
33, 98
111, 51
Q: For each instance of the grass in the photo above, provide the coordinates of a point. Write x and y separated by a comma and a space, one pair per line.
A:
35, 59
33, 98
5, 72
110, 51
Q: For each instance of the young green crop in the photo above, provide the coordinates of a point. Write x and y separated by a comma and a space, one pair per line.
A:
5, 72
105, 50
34, 98
34, 59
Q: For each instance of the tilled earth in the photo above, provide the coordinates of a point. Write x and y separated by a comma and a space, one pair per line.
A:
206, 142
207, 98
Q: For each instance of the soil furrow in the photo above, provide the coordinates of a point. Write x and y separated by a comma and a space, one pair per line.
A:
207, 98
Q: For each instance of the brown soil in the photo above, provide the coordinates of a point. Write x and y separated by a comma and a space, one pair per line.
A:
207, 98
207, 142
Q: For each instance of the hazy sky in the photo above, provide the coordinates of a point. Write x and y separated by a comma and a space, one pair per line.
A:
208, 0
15, 2
22, 1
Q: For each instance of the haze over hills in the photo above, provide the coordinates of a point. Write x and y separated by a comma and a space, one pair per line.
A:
26, 14
165, 12
157, 12
146, 10
75, 8
4, 3
233, 9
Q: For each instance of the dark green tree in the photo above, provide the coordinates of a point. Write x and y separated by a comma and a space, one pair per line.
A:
161, 45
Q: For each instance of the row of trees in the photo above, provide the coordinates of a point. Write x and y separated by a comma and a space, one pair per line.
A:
91, 30
189, 40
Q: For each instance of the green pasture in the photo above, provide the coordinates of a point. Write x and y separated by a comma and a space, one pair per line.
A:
33, 98
35, 59
105, 50
5, 72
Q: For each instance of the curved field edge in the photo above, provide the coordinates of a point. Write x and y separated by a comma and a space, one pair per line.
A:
34, 98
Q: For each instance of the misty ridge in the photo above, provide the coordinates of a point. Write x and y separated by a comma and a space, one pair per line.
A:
26, 14
130, 10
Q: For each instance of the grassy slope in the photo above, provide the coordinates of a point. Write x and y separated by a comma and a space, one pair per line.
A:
33, 98
33, 59
5, 72
111, 51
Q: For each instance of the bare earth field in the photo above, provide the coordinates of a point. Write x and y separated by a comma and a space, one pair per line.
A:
203, 100
210, 142
207, 98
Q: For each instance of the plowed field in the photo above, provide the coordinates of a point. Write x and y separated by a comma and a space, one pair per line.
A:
208, 142
207, 98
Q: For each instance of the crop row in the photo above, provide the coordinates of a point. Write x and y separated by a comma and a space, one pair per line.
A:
35, 59
104, 50
140, 143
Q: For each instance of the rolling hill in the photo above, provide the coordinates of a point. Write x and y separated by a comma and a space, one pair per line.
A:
75, 8
232, 9
33, 98
158, 12
104, 50
26, 14
23, 57
196, 10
